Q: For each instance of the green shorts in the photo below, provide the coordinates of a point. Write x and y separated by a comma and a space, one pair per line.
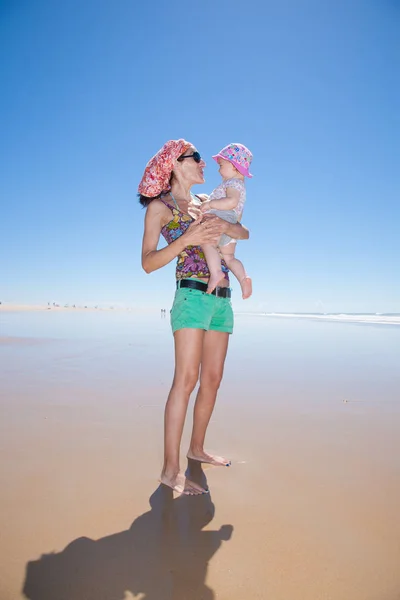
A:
194, 309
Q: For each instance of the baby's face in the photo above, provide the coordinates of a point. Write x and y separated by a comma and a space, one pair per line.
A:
226, 169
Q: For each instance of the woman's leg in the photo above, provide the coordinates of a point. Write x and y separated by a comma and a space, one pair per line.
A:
237, 268
213, 259
215, 346
188, 353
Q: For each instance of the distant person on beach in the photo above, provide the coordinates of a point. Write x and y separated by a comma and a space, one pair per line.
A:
227, 202
201, 322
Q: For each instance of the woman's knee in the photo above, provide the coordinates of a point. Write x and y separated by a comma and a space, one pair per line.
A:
186, 380
211, 378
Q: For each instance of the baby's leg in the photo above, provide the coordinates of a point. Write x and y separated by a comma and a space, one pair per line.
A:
237, 268
214, 265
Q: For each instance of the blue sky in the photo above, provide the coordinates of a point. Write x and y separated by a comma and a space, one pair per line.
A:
90, 90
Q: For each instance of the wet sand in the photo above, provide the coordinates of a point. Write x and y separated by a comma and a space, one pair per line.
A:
308, 412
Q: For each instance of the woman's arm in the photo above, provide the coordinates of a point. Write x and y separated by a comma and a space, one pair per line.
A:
200, 232
153, 259
237, 231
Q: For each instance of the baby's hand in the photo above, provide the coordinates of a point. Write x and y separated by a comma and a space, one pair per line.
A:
205, 206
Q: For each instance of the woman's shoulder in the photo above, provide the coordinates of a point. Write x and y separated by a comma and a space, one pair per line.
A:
158, 209
160, 204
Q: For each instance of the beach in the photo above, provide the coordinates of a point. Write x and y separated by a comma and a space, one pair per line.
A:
309, 413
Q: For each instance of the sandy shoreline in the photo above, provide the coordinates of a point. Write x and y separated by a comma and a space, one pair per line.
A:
308, 510
299, 515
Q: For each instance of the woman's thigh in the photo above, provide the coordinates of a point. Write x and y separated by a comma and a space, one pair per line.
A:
188, 355
215, 348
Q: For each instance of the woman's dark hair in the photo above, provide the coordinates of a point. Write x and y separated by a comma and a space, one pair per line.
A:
145, 200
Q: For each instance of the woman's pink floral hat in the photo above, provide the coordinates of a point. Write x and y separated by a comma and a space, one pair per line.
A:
239, 156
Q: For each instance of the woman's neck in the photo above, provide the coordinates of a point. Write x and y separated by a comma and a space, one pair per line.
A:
180, 191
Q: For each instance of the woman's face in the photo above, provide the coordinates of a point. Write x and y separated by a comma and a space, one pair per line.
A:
190, 170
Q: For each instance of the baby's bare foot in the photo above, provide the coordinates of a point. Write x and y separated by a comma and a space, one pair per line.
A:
211, 459
214, 280
247, 287
180, 484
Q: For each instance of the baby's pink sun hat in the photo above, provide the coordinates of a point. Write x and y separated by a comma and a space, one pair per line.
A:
239, 156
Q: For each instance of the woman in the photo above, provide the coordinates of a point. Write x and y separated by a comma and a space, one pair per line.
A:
201, 322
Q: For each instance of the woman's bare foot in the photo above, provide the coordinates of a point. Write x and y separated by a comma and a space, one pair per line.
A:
195, 473
214, 280
180, 484
210, 459
247, 287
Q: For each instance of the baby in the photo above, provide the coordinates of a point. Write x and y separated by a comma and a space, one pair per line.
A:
227, 201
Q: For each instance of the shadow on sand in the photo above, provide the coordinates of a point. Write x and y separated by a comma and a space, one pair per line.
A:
163, 556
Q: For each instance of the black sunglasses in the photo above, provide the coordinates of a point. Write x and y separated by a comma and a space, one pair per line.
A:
196, 157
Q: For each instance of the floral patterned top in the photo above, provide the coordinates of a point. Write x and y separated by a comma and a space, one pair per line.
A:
220, 192
191, 262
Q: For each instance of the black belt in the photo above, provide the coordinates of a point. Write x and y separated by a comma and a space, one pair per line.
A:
221, 292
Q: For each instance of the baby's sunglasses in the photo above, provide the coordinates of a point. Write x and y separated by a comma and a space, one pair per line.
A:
196, 157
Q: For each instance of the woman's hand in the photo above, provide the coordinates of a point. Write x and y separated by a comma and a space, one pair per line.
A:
204, 230
237, 231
